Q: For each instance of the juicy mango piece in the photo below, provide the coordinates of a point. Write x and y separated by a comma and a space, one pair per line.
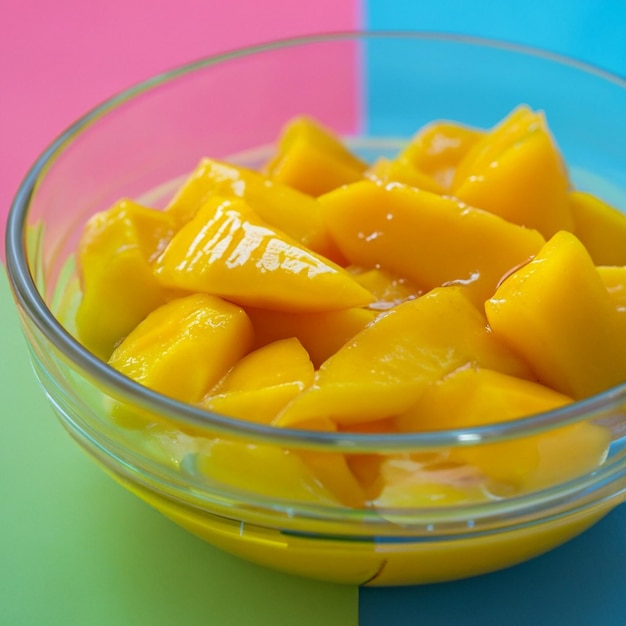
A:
118, 286
515, 126
254, 405
614, 279
600, 227
517, 172
229, 251
388, 289
312, 159
476, 397
285, 208
283, 361
385, 368
264, 470
183, 348
567, 330
438, 148
409, 482
334, 472
263, 382
400, 170
308, 169
429, 239
321, 334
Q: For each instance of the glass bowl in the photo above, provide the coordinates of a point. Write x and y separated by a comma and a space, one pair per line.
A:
375, 90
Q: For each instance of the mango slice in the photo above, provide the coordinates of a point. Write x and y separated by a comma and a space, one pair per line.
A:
312, 159
334, 472
266, 471
516, 171
388, 289
429, 239
183, 348
614, 279
321, 334
476, 397
567, 330
408, 482
600, 227
282, 361
263, 382
229, 251
260, 406
119, 288
385, 368
283, 207
514, 127
438, 148
401, 170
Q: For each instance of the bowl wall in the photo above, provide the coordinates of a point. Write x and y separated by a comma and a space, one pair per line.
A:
374, 90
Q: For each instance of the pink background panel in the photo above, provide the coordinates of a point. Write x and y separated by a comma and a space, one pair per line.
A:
60, 59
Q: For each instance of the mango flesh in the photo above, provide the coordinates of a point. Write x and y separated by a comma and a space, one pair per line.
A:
401, 170
263, 382
473, 397
312, 159
438, 148
321, 334
517, 172
385, 368
600, 227
329, 295
183, 348
118, 286
265, 470
567, 330
427, 238
294, 213
228, 250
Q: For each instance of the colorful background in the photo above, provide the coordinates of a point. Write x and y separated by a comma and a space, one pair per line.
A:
75, 549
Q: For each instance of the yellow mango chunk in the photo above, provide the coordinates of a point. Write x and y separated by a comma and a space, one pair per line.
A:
266, 471
311, 131
310, 170
517, 172
333, 471
260, 405
385, 368
388, 289
312, 159
429, 239
258, 386
282, 361
477, 397
366, 469
118, 286
321, 334
614, 279
401, 170
438, 148
515, 126
292, 212
600, 227
229, 251
408, 482
183, 348
556, 313
473, 396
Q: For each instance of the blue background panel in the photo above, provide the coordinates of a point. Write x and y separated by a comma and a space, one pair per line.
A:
582, 583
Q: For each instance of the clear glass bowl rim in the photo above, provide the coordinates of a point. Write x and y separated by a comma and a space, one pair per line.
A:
36, 310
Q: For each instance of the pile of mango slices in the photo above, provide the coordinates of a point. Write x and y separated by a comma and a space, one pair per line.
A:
461, 283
